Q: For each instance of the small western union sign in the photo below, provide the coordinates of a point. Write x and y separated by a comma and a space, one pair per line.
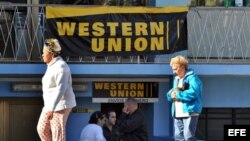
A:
118, 92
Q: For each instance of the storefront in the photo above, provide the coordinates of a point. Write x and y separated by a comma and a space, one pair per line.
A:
21, 100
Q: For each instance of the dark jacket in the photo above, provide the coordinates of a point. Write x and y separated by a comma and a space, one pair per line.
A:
133, 127
113, 135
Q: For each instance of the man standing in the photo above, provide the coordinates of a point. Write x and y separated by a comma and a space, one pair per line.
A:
132, 123
110, 131
186, 98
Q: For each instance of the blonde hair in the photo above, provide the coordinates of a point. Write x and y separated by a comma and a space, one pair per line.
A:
52, 45
180, 60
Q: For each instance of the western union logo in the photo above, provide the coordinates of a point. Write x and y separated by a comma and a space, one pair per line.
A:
118, 86
98, 31
122, 89
143, 30
125, 89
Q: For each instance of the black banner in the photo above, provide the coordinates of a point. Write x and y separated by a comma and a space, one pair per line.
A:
118, 92
117, 31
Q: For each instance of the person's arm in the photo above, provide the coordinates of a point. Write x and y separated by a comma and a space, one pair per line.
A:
131, 123
62, 82
192, 92
171, 92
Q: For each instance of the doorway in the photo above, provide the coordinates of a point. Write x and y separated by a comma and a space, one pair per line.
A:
117, 107
19, 117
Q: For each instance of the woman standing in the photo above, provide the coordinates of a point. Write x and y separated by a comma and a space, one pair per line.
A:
58, 95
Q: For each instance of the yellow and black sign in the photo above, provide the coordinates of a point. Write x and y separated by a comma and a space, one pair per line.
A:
118, 92
123, 31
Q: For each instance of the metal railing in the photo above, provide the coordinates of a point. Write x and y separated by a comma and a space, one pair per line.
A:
22, 28
215, 35
219, 35
21, 32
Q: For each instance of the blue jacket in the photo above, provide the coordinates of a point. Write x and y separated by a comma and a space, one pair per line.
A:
191, 97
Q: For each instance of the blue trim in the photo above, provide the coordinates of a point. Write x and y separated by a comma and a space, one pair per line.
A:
221, 69
138, 70
90, 69
121, 69
22, 69
171, 3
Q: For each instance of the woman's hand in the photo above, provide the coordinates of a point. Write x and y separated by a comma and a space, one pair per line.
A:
50, 115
